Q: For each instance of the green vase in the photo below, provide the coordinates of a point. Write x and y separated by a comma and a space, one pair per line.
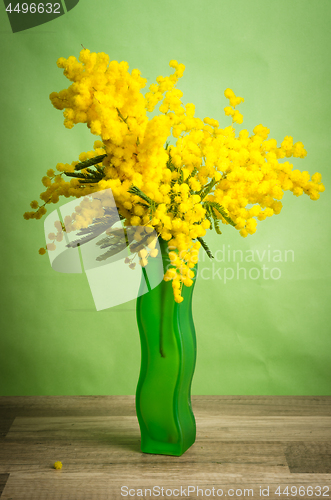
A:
168, 355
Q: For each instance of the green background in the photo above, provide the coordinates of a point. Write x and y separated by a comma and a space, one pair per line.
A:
255, 336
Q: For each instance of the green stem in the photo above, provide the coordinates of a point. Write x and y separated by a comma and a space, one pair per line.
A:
122, 117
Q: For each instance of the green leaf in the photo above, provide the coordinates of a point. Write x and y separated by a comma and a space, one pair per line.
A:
114, 249
217, 227
90, 162
206, 190
212, 206
192, 174
138, 192
205, 247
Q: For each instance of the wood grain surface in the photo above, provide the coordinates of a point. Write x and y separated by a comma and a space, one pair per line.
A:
245, 446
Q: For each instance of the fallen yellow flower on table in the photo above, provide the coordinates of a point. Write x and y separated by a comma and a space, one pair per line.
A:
57, 465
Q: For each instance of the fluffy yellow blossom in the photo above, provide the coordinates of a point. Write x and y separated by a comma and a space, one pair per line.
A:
208, 175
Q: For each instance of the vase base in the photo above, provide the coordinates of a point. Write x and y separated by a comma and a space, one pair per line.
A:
160, 448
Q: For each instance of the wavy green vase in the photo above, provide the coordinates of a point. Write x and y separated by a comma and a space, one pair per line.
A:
168, 355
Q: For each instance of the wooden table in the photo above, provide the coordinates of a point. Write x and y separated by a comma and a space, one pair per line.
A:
245, 445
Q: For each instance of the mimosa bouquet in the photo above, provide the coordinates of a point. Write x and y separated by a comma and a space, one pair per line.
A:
178, 187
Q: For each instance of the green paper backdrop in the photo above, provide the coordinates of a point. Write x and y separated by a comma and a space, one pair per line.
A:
255, 335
